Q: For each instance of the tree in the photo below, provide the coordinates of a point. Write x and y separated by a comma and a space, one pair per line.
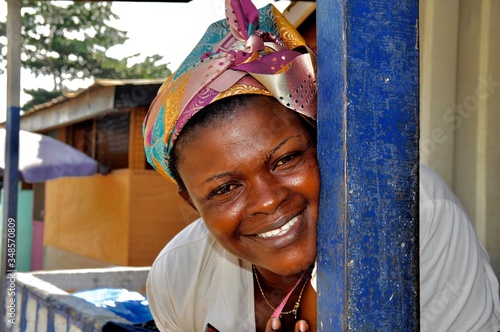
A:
69, 40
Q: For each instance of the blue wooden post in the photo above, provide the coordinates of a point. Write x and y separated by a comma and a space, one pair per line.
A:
11, 171
10, 188
368, 155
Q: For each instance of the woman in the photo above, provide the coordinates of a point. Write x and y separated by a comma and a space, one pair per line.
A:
233, 127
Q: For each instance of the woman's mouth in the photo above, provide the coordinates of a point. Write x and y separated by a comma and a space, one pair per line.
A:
279, 231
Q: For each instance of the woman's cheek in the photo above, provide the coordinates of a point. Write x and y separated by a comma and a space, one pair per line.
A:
307, 178
221, 218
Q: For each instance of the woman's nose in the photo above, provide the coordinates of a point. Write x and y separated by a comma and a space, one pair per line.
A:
265, 196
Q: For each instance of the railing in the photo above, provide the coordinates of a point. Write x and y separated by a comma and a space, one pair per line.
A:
44, 301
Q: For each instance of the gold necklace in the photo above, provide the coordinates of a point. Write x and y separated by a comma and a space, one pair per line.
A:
297, 304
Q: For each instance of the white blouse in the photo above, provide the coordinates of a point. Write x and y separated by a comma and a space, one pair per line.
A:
195, 282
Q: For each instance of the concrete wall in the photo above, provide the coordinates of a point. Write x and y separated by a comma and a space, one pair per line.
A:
460, 106
44, 301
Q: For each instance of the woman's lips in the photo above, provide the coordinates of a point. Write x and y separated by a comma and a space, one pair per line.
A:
279, 231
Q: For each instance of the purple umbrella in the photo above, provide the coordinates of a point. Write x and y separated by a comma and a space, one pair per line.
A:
43, 158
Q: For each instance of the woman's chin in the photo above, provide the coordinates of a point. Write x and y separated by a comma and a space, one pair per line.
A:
290, 267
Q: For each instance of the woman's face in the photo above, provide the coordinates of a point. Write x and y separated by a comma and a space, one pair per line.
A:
254, 179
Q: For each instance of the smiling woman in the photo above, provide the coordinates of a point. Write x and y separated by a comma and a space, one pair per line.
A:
259, 197
242, 150
234, 128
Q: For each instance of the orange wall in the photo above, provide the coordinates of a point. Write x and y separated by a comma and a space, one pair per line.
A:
88, 216
157, 213
123, 218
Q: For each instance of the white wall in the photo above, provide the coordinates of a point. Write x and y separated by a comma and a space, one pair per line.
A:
460, 106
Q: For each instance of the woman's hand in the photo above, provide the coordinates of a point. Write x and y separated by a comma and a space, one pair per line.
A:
274, 324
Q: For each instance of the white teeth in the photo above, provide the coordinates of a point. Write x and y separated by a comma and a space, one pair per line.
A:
279, 231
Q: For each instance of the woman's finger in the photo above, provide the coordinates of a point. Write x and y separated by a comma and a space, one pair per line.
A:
301, 326
273, 324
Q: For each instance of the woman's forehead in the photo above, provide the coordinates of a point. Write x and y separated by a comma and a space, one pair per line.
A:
256, 127
264, 114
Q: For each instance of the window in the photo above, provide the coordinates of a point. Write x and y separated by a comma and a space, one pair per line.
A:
105, 139
82, 137
112, 139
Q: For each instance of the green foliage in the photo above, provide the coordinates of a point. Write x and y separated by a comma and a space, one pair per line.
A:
3, 45
119, 69
39, 96
68, 40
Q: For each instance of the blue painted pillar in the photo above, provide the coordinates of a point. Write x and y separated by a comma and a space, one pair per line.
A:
11, 192
11, 173
368, 154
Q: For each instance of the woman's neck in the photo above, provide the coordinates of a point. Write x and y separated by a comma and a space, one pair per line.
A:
270, 290
273, 281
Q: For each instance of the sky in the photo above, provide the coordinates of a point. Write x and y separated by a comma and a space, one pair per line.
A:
169, 29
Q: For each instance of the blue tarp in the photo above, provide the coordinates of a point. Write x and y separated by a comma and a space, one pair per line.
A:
130, 305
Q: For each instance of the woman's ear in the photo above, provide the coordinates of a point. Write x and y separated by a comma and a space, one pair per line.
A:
185, 196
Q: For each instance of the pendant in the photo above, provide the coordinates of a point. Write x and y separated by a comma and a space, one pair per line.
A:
295, 309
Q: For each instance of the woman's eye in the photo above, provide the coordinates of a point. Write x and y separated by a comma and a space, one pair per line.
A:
285, 160
223, 190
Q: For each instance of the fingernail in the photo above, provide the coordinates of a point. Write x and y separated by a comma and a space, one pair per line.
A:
276, 324
303, 326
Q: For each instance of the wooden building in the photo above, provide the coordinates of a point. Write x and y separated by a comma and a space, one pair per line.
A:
122, 218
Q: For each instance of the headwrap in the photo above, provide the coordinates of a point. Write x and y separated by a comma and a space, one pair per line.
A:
250, 52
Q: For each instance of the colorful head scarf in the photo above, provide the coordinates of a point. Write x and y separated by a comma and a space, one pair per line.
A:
251, 52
